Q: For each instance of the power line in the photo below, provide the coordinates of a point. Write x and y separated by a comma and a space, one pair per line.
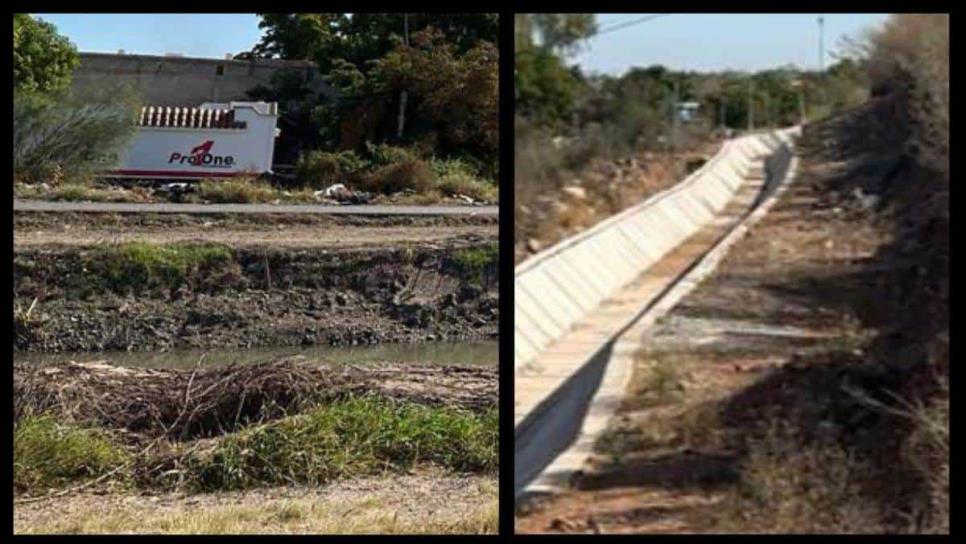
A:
616, 23
625, 24
821, 43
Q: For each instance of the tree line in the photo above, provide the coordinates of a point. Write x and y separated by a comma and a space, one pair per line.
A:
638, 107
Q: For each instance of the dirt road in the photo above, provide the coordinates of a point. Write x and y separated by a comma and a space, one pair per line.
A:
288, 236
124, 207
274, 230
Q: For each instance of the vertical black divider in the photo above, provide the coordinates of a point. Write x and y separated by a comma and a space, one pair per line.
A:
506, 273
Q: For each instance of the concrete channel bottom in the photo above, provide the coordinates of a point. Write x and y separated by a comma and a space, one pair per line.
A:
564, 378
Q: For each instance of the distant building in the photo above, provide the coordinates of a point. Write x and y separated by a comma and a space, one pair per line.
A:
688, 111
176, 80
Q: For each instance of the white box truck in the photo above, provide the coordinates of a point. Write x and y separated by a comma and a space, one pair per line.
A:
214, 140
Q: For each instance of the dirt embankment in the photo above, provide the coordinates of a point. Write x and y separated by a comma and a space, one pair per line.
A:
245, 432
546, 214
148, 297
801, 388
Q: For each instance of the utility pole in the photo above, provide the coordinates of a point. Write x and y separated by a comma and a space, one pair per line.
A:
403, 96
767, 115
821, 43
675, 114
799, 85
751, 105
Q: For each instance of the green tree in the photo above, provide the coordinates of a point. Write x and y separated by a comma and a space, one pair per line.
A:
454, 97
561, 32
448, 73
361, 37
302, 123
42, 59
544, 88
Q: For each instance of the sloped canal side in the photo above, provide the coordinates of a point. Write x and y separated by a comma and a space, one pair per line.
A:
143, 296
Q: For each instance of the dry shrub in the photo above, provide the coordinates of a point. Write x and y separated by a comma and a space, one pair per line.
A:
910, 56
464, 184
538, 165
788, 487
411, 174
240, 190
927, 450
574, 216
211, 401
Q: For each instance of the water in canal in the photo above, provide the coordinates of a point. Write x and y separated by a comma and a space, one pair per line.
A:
438, 353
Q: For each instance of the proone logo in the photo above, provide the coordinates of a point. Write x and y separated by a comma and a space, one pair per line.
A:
201, 156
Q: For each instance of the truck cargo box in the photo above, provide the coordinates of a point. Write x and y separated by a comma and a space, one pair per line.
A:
208, 141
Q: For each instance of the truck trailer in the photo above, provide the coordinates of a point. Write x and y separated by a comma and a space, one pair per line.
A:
213, 140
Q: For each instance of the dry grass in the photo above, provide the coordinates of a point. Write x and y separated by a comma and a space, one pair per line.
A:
386, 509
80, 191
241, 190
928, 449
288, 517
661, 380
463, 184
788, 488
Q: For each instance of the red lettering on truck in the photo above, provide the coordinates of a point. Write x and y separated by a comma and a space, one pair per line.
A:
201, 155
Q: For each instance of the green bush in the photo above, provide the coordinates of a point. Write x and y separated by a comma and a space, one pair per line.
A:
48, 453
138, 266
475, 263
350, 438
43, 60
319, 169
385, 154
452, 167
64, 137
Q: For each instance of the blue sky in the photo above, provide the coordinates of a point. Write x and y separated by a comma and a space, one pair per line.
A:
717, 41
685, 41
193, 35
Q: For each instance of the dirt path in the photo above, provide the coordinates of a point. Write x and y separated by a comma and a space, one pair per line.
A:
428, 501
274, 230
795, 291
283, 235
167, 207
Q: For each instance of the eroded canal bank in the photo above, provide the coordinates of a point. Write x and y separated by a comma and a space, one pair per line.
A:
224, 374
148, 297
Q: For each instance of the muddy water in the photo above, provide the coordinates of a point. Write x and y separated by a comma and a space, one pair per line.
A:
450, 353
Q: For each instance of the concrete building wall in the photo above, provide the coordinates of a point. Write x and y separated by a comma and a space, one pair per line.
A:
183, 81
